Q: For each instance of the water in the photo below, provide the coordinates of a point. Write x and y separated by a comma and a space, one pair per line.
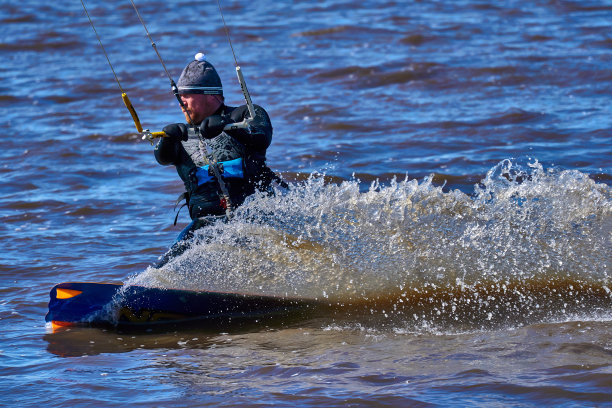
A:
451, 164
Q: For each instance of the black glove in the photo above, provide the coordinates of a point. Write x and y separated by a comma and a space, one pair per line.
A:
176, 131
213, 125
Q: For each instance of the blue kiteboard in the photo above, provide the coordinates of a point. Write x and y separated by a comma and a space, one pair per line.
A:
107, 304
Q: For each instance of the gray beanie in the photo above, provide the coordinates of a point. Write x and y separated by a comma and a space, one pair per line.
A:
200, 77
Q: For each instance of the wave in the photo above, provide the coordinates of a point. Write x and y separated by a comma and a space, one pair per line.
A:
529, 243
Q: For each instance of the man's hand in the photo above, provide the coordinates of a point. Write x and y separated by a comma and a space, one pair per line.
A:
213, 125
176, 131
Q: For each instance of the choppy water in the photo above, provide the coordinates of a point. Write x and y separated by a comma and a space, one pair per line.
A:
452, 200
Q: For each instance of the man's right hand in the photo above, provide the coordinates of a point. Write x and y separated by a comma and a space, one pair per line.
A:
176, 131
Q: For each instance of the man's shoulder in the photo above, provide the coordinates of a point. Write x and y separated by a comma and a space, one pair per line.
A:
242, 110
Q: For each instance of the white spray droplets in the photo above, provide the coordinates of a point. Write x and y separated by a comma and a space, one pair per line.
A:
482, 257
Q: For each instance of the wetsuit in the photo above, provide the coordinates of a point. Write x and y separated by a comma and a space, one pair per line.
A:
241, 154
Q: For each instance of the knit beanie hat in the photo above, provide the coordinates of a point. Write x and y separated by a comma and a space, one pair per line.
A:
200, 77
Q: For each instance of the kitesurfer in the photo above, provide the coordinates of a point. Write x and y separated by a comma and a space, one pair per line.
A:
240, 154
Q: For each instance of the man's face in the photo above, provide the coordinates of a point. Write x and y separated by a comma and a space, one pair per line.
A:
198, 107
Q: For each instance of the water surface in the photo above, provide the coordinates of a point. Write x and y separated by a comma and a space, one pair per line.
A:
450, 166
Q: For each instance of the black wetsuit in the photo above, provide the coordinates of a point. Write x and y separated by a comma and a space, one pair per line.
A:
202, 192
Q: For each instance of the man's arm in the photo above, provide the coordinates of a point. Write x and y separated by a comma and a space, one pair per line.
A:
259, 134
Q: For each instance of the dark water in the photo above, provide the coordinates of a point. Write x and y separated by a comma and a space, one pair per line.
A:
475, 271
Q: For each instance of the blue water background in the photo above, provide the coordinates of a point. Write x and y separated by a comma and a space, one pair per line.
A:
356, 90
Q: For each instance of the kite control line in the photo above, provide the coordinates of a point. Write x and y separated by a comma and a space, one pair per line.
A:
148, 135
245, 91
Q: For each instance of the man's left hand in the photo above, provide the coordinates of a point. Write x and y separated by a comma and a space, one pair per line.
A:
213, 125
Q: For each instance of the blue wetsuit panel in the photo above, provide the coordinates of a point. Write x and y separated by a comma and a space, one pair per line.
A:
228, 169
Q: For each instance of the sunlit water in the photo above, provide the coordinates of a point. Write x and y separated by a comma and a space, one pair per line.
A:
450, 203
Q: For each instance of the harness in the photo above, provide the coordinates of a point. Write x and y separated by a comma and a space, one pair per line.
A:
232, 166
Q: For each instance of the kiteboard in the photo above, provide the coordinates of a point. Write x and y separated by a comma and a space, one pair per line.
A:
117, 305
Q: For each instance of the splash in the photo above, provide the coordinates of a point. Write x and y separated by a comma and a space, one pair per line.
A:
528, 240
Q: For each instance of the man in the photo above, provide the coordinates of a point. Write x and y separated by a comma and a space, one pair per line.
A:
241, 153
